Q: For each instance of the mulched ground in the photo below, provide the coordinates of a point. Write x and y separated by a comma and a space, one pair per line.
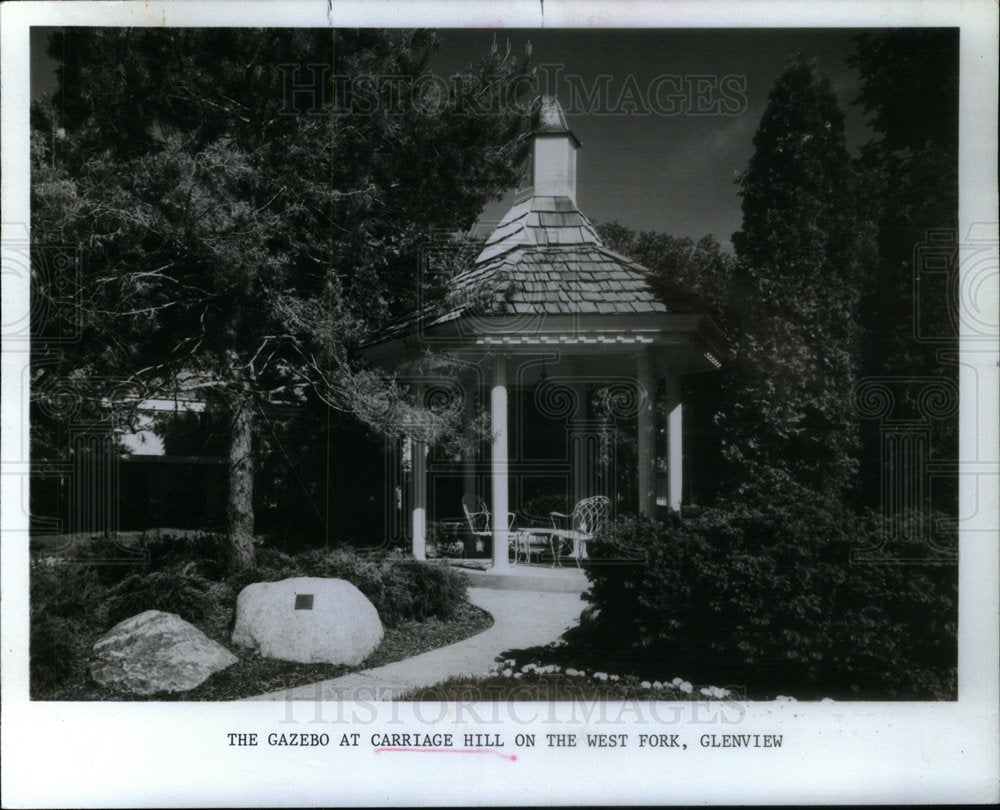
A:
253, 675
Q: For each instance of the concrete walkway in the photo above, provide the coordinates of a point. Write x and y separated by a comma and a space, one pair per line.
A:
521, 618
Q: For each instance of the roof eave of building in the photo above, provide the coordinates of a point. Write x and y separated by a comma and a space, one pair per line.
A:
574, 332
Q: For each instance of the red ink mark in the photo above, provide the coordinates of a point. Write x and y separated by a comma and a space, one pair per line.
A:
511, 757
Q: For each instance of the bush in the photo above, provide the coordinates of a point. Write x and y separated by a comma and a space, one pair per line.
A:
110, 558
400, 588
115, 560
770, 597
271, 566
67, 607
208, 551
55, 651
183, 592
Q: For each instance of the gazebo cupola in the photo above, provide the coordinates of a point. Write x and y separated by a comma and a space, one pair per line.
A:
552, 160
547, 310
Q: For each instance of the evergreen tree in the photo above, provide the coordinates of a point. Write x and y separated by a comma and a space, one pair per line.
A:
910, 201
787, 419
243, 219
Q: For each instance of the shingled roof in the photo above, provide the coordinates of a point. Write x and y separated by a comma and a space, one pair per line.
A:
546, 258
543, 258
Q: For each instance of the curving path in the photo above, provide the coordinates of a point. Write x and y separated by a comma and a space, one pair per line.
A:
521, 618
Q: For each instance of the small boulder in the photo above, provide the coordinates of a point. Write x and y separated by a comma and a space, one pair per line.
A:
156, 652
309, 620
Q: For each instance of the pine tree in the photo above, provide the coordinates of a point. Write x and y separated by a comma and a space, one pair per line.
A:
247, 204
788, 419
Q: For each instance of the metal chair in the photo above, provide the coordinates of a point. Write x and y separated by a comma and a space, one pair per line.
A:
586, 520
479, 518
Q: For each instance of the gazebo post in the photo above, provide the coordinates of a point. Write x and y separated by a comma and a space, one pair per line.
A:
418, 488
675, 449
498, 460
646, 441
569, 297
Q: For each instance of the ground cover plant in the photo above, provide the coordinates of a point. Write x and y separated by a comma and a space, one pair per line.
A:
76, 599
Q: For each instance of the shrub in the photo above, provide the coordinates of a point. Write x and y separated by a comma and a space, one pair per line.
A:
208, 552
770, 597
400, 588
115, 560
443, 542
66, 609
110, 558
183, 592
55, 651
272, 566
433, 590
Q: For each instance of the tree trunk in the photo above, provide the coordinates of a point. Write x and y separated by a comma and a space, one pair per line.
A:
240, 507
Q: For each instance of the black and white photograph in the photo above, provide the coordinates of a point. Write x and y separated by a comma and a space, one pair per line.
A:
544, 406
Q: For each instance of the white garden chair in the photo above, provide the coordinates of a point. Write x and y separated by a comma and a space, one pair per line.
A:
479, 518
583, 524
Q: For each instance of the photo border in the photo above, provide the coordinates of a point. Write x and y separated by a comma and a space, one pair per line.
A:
176, 754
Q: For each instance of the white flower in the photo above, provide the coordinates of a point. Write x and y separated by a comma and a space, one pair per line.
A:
509, 662
601, 676
648, 685
528, 668
573, 672
827, 700
657, 685
677, 681
614, 677
518, 675
507, 673
686, 687
706, 691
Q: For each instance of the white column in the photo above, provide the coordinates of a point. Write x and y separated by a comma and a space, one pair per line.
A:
469, 483
675, 447
646, 439
498, 429
418, 487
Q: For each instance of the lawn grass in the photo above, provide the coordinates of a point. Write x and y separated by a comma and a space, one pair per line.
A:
253, 675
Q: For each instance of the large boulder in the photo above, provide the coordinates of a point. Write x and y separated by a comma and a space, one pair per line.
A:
309, 620
156, 652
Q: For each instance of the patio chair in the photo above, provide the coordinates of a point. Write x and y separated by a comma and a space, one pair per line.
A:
586, 520
479, 518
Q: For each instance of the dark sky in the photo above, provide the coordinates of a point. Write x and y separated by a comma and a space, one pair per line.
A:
650, 168
673, 173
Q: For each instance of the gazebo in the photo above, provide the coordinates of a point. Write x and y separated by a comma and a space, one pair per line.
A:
547, 313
